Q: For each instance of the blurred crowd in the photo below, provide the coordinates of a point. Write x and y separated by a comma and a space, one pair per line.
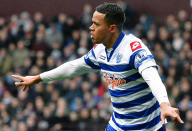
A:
29, 45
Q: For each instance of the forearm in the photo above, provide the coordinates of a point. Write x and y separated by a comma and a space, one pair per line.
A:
151, 76
66, 70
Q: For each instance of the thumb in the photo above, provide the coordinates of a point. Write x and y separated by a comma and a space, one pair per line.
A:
17, 84
162, 119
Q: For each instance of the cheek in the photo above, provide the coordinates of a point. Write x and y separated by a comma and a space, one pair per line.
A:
101, 33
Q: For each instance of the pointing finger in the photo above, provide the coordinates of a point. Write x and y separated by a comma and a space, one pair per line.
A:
179, 119
17, 77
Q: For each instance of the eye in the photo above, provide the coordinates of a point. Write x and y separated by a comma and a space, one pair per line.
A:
95, 23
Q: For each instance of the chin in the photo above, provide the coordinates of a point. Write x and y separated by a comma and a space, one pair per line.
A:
94, 41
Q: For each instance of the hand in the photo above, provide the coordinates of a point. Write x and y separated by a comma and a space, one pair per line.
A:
26, 81
168, 111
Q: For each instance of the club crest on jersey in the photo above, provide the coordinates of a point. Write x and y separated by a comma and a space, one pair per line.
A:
135, 45
118, 58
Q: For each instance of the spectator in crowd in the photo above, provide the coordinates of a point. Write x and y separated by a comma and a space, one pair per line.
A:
53, 35
40, 42
20, 54
130, 14
38, 19
86, 16
6, 62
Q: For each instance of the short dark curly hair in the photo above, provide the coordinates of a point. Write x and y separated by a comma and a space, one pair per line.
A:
113, 14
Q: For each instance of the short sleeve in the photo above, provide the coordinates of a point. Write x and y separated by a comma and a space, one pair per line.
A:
140, 56
143, 59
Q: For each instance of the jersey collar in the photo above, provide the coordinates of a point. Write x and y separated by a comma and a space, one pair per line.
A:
118, 41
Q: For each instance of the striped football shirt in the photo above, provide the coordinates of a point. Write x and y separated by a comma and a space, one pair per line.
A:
134, 106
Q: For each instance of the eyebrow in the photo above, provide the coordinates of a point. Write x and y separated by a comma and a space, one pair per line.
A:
95, 23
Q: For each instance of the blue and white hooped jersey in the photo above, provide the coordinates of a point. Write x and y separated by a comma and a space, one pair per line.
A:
134, 106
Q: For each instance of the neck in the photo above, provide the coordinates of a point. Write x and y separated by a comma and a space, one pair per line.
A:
112, 39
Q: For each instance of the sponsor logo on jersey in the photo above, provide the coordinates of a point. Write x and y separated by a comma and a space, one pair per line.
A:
114, 81
135, 46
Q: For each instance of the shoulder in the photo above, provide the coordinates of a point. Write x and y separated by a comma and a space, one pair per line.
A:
134, 43
97, 48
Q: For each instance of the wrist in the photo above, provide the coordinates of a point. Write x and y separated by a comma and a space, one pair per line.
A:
37, 79
165, 104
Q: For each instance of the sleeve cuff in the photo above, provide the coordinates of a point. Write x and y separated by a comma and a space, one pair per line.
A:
163, 99
43, 77
145, 65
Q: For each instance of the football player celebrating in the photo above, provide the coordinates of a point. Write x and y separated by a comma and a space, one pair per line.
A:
138, 96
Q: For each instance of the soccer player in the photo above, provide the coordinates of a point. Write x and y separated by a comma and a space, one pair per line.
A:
138, 96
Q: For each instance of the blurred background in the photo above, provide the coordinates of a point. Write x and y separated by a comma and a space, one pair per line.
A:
39, 35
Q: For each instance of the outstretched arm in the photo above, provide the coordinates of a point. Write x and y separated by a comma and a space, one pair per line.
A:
66, 70
151, 76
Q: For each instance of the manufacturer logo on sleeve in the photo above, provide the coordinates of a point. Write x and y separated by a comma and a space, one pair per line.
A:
135, 46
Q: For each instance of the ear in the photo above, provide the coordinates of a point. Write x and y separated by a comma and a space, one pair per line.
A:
113, 28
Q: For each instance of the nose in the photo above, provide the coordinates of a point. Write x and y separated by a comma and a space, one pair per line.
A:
91, 28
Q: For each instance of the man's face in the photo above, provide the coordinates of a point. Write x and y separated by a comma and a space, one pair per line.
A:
100, 32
